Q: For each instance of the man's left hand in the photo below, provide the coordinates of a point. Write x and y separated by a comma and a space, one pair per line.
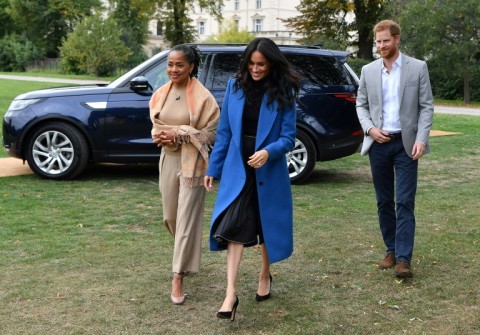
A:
418, 150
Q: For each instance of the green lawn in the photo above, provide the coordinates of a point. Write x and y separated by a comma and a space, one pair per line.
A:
9, 89
90, 256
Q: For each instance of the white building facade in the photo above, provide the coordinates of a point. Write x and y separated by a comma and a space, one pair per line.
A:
262, 18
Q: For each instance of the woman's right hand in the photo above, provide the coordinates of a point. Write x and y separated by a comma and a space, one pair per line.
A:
163, 138
208, 183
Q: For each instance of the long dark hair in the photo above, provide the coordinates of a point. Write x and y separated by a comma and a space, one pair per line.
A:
192, 54
282, 82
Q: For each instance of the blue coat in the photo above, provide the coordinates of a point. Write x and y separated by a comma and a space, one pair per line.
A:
276, 134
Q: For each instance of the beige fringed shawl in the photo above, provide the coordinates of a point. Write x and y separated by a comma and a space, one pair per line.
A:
196, 138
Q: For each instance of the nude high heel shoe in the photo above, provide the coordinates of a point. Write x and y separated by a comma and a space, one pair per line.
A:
178, 300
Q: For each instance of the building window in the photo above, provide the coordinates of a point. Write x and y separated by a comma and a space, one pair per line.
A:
237, 4
159, 28
237, 23
201, 28
259, 4
257, 25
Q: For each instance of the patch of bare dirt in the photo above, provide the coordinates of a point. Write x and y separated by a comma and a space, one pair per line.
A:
442, 133
13, 167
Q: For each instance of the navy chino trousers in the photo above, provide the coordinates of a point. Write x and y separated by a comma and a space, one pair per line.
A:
394, 176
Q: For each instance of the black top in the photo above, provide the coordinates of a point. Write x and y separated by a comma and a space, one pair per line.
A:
251, 110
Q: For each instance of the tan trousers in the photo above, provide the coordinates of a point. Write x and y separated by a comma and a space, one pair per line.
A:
183, 213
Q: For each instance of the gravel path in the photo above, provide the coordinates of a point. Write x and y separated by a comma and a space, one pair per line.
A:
53, 80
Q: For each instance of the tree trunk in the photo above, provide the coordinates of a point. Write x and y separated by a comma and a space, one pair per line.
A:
365, 44
466, 81
178, 14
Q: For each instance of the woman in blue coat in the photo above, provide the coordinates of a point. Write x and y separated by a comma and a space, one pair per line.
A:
254, 201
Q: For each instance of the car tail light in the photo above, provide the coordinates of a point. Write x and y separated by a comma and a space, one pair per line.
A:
350, 97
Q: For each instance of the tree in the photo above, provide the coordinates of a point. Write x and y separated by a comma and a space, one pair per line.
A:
7, 25
231, 34
94, 47
133, 16
47, 22
16, 51
349, 21
178, 26
448, 36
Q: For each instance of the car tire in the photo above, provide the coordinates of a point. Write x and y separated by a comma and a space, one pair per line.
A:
57, 151
301, 160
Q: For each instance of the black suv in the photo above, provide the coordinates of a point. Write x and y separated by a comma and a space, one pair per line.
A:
59, 131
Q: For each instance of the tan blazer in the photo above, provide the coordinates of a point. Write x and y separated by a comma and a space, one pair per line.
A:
416, 102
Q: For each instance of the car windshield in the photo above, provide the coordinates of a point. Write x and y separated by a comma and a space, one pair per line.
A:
130, 74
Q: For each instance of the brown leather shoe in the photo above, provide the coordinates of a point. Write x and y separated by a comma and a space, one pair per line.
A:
388, 262
402, 270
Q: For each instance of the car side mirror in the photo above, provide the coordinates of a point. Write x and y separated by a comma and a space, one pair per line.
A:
139, 84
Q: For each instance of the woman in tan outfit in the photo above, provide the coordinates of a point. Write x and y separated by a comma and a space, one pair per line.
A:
184, 115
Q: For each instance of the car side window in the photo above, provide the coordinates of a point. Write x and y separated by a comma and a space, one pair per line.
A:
224, 66
318, 69
157, 75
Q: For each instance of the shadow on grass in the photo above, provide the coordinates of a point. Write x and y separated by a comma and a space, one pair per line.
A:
119, 171
335, 176
133, 171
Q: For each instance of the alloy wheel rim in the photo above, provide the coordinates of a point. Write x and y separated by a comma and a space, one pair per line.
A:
297, 159
53, 152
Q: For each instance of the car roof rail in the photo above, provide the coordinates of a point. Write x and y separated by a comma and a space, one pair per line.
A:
212, 44
303, 46
339, 54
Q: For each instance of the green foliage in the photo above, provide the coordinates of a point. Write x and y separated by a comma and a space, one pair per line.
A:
133, 16
94, 47
357, 63
179, 27
448, 35
231, 34
450, 85
7, 25
328, 43
47, 22
16, 51
337, 20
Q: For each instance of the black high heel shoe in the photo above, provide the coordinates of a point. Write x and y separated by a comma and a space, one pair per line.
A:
229, 315
266, 296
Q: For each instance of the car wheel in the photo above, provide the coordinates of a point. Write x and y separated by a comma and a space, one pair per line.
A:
301, 160
57, 151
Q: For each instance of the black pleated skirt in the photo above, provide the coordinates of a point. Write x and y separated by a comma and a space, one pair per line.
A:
240, 222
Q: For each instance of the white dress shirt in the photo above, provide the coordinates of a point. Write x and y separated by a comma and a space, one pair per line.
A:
390, 92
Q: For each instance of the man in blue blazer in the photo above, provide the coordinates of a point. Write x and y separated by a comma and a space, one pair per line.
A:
395, 109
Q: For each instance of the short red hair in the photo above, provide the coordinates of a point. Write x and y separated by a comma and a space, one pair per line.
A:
390, 25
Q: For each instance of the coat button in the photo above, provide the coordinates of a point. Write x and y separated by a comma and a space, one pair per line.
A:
260, 183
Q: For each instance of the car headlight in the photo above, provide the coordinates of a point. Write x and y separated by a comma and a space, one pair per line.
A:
21, 104
17, 105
